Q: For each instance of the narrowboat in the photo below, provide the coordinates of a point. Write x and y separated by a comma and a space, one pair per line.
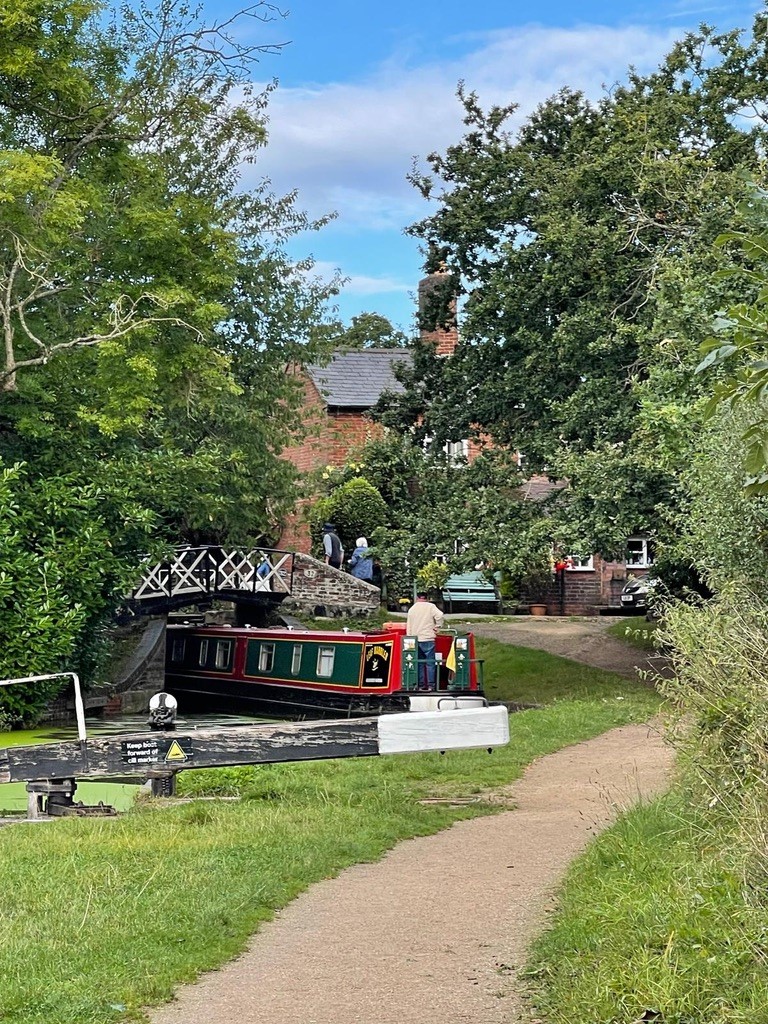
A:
303, 673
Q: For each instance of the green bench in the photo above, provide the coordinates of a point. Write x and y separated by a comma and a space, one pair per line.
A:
470, 588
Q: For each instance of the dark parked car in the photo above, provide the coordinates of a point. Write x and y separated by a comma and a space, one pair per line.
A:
635, 595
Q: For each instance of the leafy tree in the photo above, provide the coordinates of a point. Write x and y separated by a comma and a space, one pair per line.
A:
573, 240
147, 305
371, 330
740, 344
466, 515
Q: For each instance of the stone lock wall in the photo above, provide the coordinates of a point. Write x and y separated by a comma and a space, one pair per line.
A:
317, 585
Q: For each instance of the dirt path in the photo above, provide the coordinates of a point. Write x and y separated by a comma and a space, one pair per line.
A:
433, 933
582, 639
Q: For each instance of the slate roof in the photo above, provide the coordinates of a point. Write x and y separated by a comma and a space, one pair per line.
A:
538, 487
356, 378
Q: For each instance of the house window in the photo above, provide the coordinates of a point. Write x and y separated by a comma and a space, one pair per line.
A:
296, 660
457, 452
325, 659
580, 563
266, 657
177, 651
639, 553
223, 653
203, 655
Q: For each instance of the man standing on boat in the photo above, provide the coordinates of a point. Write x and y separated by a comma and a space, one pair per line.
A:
334, 552
424, 620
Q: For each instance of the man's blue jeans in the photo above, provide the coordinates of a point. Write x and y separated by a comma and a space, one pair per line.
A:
427, 663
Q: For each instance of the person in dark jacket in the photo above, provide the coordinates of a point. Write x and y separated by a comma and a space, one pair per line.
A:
361, 562
334, 552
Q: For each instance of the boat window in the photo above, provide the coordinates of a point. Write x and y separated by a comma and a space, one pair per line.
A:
177, 651
223, 653
203, 656
266, 657
296, 660
325, 659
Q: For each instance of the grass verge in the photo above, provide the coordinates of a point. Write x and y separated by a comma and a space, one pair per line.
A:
534, 677
639, 633
99, 918
654, 924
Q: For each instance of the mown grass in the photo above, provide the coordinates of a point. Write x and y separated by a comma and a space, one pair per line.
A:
534, 677
99, 918
655, 925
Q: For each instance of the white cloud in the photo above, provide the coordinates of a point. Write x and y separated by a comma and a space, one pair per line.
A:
349, 146
361, 284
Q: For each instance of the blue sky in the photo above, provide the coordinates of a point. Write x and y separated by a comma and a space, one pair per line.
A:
364, 88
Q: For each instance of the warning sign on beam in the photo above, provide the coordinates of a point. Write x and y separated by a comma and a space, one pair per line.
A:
157, 750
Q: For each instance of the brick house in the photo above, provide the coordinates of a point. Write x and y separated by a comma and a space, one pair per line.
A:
592, 584
338, 399
588, 585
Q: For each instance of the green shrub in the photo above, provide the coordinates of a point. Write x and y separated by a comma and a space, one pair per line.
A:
355, 508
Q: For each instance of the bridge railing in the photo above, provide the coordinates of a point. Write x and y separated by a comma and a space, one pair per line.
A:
210, 570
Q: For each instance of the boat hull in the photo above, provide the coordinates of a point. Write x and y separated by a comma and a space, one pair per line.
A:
280, 702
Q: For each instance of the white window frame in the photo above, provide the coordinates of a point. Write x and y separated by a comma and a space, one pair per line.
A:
646, 561
179, 648
457, 452
578, 563
266, 657
326, 658
296, 659
223, 654
203, 653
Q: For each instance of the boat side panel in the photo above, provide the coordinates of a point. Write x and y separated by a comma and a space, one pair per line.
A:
345, 673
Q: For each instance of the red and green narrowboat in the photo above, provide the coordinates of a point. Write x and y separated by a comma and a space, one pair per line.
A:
290, 673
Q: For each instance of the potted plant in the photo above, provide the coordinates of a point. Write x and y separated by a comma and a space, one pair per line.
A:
536, 585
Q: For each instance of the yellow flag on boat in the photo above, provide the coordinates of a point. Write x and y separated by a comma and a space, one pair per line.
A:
450, 661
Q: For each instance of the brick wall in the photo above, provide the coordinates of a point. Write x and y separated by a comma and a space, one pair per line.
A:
317, 585
333, 437
589, 590
333, 433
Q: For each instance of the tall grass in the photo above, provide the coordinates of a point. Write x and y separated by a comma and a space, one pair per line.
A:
719, 691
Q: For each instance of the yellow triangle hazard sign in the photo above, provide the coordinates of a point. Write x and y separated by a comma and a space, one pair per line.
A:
175, 753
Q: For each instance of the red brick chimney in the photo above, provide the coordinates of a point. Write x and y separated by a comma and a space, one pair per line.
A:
437, 311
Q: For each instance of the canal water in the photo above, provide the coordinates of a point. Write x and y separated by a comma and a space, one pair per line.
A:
13, 795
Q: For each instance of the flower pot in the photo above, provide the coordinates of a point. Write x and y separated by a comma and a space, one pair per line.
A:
538, 609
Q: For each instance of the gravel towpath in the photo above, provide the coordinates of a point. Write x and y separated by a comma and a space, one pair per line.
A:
434, 932
580, 639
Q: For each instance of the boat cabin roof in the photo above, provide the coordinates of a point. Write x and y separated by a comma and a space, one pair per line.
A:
282, 632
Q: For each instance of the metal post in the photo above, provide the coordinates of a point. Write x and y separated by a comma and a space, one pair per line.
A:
79, 707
